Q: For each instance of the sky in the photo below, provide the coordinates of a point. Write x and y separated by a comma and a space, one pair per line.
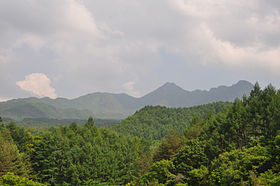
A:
68, 48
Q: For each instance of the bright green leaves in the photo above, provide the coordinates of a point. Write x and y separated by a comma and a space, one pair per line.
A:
11, 179
160, 172
79, 155
238, 166
11, 160
192, 162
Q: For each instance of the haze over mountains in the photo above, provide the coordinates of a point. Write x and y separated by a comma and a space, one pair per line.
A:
118, 106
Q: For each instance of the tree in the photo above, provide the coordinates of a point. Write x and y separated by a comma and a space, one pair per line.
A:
11, 160
192, 157
160, 172
12, 179
169, 146
239, 166
195, 128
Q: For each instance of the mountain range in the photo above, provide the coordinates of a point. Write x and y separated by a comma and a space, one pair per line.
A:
117, 106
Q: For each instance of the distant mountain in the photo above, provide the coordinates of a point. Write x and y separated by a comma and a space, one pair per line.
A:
118, 106
29, 108
171, 95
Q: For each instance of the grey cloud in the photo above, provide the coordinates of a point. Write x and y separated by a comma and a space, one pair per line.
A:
92, 45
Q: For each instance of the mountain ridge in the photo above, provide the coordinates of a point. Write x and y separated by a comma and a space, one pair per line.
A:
105, 105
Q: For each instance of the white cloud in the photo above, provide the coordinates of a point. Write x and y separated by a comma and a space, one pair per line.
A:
239, 34
258, 56
129, 87
206, 9
3, 99
38, 84
98, 45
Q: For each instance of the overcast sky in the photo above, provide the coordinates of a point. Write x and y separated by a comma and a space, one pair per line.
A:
68, 48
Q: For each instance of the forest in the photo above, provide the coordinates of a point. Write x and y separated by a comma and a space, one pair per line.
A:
214, 144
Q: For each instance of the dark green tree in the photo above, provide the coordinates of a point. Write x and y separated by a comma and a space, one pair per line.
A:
169, 147
11, 160
192, 157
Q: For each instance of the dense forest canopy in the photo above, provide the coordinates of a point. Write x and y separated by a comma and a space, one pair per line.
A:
215, 144
154, 122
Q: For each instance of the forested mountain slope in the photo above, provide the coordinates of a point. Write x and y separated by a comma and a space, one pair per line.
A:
236, 145
154, 122
20, 109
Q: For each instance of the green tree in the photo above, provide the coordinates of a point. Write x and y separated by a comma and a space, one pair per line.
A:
12, 179
169, 146
160, 172
11, 160
238, 166
191, 157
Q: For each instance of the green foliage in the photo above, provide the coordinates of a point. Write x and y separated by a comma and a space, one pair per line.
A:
160, 172
11, 160
22, 138
199, 176
239, 145
11, 179
190, 157
238, 166
78, 155
195, 128
191, 162
274, 150
169, 147
214, 144
154, 122
47, 122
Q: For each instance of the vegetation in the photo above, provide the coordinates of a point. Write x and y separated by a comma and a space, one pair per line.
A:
75, 155
214, 144
11, 179
154, 122
237, 146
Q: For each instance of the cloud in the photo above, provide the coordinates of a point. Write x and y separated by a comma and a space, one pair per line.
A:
129, 87
238, 34
257, 56
38, 84
95, 45
3, 99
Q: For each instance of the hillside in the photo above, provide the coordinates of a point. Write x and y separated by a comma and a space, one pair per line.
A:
154, 122
18, 110
223, 144
118, 106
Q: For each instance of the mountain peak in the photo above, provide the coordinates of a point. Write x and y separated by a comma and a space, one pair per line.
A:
244, 82
118, 106
163, 95
170, 85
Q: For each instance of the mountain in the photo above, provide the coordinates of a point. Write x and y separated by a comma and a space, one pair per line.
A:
171, 95
118, 106
21, 109
154, 122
